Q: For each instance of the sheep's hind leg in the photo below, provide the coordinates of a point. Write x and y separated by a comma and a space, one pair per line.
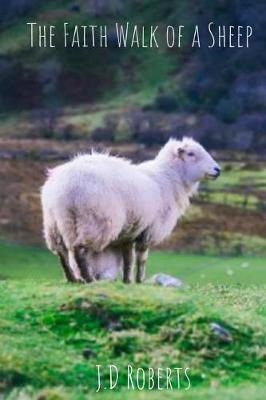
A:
128, 258
142, 255
85, 270
142, 251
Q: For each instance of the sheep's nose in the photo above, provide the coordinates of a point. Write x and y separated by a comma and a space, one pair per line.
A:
217, 171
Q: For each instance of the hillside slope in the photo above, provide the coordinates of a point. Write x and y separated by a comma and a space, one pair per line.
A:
53, 335
217, 95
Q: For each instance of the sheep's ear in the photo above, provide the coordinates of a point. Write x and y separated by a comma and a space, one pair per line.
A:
180, 152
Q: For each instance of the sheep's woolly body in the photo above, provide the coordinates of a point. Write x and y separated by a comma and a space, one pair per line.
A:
97, 201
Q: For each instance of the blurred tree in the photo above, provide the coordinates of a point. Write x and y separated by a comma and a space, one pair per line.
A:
13, 8
103, 7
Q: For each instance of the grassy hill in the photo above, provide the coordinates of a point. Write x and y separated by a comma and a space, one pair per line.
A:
53, 335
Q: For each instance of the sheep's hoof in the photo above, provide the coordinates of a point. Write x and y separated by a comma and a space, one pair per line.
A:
127, 280
76, 281
91, 281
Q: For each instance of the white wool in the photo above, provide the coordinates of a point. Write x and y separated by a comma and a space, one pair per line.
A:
98, 200
106, 264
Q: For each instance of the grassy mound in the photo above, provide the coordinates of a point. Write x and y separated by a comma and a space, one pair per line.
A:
53, 335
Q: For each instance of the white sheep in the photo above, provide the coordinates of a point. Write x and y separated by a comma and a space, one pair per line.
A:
100, 210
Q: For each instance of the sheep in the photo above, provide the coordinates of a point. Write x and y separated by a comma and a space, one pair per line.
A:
106, 264
100, 209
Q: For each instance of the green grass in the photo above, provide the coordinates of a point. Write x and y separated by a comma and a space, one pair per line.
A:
239, 177
16, 37
19, 262
45, 328
231, 244
205, 269
233, 200
46, 324
237, 187
243, 392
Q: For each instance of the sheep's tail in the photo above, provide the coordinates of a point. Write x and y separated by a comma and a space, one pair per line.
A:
50, 231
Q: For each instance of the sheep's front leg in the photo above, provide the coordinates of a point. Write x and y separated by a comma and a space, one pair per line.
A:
70, 277
142, 252
62, 253
128, 258
85, 270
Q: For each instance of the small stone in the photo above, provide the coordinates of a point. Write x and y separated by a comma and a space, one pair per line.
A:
114, 326
85, 305
64, 307
88, 353
223, 334
166, 281
102, 296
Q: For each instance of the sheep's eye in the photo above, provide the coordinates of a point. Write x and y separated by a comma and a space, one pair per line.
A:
191, 154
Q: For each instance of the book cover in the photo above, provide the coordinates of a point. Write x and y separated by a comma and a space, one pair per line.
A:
132, 199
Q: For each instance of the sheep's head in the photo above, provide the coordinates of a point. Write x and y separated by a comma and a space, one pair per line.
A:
197, 163
191, 159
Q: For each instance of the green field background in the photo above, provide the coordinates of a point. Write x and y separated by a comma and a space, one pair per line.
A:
24, 262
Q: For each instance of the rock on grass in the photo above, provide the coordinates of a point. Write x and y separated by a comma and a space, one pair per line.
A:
166, 281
